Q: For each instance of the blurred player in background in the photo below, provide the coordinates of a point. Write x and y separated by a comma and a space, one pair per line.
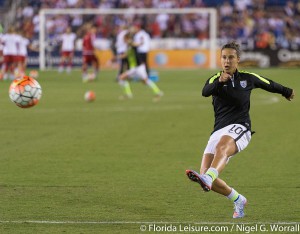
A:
121, 48
22, 54
88, 53
230, 90
67, 50
137, 69
142, 41
1, 46
1, 51
10, 42
113, 62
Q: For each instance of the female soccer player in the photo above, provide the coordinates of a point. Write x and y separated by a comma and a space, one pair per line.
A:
67, 40
88, 54
230, 90
136, 69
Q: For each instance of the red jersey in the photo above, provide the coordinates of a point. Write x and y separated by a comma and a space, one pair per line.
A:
88, 44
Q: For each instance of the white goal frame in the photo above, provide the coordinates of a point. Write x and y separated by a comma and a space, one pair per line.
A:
138, 11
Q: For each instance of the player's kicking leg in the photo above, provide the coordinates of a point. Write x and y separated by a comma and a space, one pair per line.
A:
218, 186
123, 82
141, 72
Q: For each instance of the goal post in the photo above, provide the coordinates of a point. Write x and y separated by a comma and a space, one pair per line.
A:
212, 43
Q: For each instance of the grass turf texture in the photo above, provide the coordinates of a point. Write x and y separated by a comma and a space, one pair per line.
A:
124, 161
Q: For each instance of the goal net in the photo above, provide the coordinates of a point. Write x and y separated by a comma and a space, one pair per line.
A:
192, 42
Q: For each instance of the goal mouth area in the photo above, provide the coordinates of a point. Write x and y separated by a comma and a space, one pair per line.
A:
211, 12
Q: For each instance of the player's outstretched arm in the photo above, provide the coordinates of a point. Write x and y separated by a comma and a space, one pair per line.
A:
272, 86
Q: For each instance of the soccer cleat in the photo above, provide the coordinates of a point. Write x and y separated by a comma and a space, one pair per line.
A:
204, 180
239, 207
125, 97
158, 96
85, 78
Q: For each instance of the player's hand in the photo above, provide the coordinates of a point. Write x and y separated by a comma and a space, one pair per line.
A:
224, 77
292, 96
122, 56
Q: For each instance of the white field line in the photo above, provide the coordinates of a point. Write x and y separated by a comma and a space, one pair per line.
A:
265, 100
136, 222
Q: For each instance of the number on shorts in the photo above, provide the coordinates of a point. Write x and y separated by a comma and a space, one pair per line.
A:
236, 129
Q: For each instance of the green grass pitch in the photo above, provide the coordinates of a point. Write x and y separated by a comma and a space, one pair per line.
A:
113, 165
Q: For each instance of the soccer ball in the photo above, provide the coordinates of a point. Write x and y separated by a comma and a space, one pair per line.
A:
90, 96
34, 74
25, 92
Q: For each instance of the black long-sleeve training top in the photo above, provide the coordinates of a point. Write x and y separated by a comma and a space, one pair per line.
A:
231, 99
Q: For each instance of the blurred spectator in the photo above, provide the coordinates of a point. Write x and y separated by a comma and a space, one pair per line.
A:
27, 12
28, 28
226, 10
50, 26
76, 22
201, 26
164, 4
154, 27
187, 26
172, 26
61, 24
106, 4
36, 21
264, 40
289, 9
162, 20
298, 7
72, 3
276, 24
249, 24
242, 5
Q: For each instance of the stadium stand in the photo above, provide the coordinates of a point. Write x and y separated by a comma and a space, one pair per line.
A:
272, 23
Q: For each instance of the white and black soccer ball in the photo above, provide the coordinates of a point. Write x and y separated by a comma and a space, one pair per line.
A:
25, 92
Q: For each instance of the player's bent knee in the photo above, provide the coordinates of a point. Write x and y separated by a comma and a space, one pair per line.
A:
222, 149
226, 146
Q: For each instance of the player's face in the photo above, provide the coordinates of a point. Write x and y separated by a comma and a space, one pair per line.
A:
93, 30
127, 39
229, 60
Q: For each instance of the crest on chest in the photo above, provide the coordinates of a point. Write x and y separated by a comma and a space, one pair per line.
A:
243, 83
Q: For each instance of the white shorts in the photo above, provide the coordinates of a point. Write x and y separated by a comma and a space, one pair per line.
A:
138, 72
238, 132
